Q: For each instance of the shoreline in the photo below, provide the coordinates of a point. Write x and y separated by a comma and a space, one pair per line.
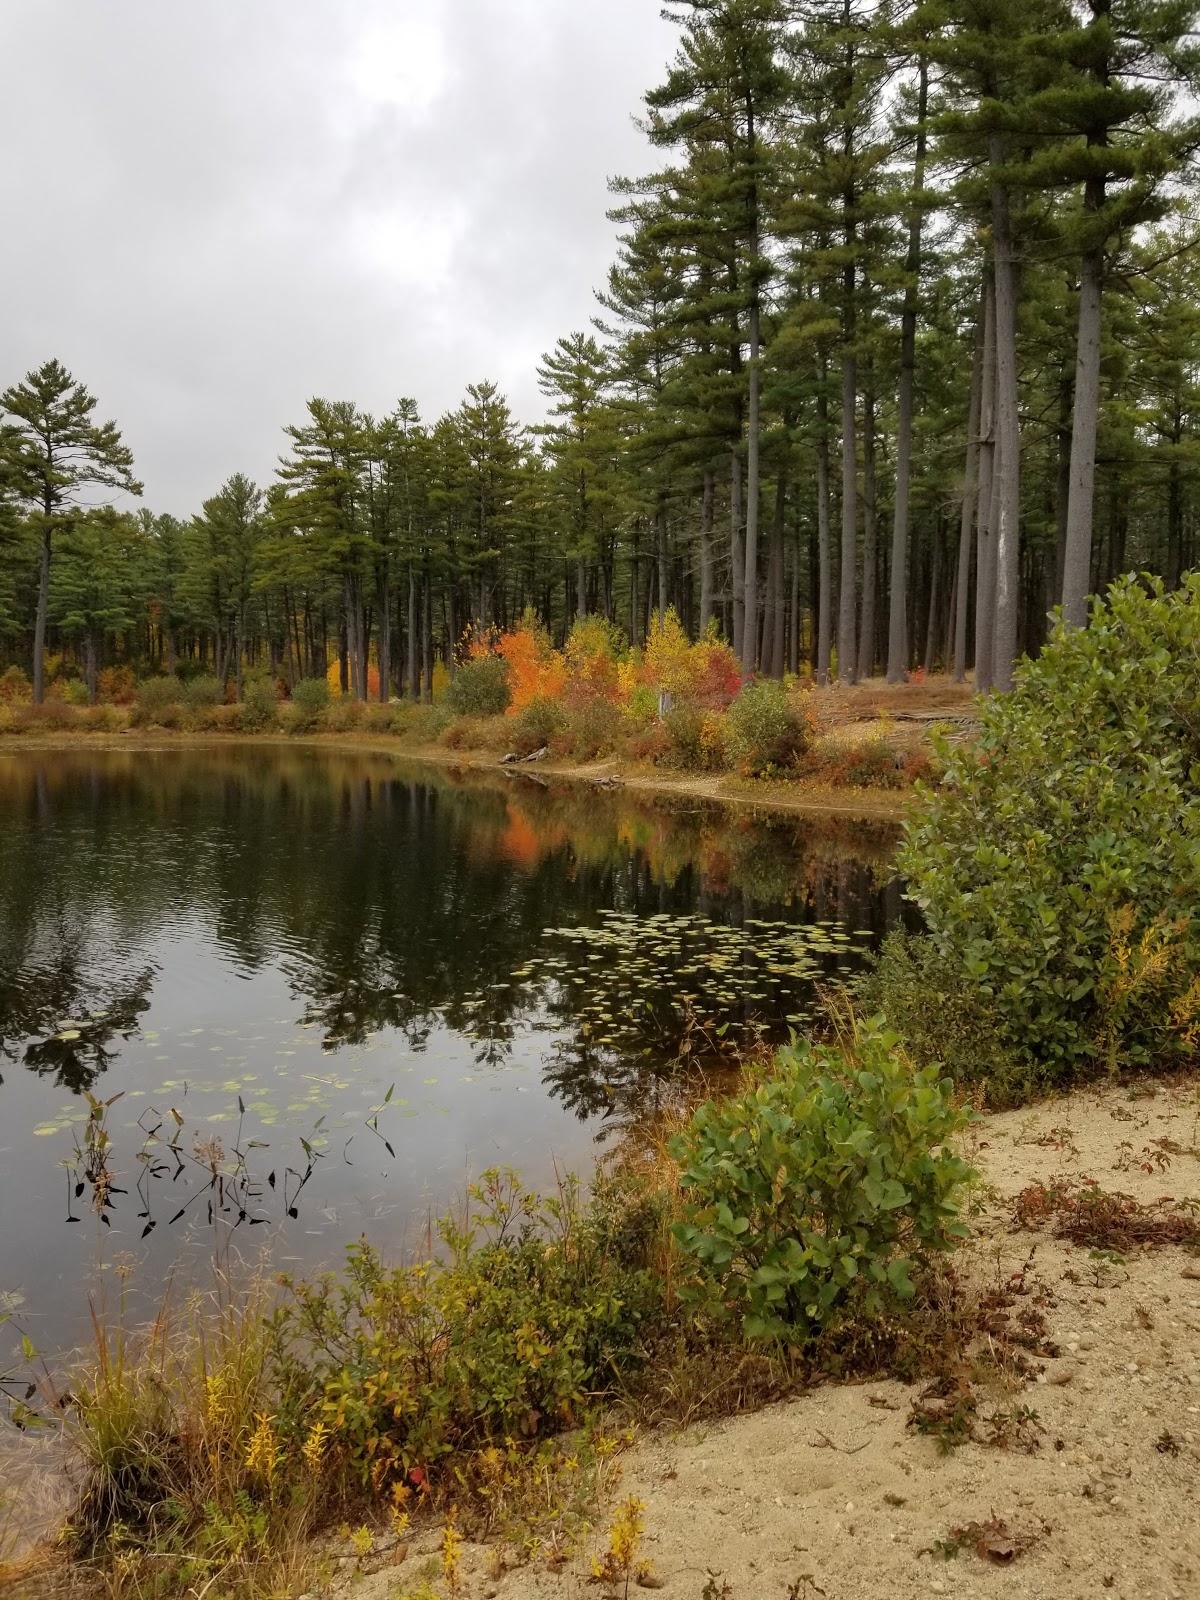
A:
1075, 1468
781, 796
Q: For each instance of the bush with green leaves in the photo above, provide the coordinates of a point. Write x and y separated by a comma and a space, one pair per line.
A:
260, 703
1058, 862
344, 714
942, 1016
159, 702
533, 727
310, 696
480, 687
766, 731
535, 1306
160, 691
817, 1193
695, 739
203, 691
14, 686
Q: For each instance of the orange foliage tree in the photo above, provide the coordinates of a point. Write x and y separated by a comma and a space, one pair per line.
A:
333, 677
536, 670
705, 674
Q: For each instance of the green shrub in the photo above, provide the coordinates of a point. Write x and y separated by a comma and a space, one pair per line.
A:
75, 692
218, 719
159, 702
871, 764
260, 703
480, 687
1058, 863
942, 1015
51, 717
528, 1315
344, 714
536, 724
696, 740
310, 696
594, 728
379, 717
419, 722
102, 719
821, 1190
203, 690
14, 686
477, 733
766, 731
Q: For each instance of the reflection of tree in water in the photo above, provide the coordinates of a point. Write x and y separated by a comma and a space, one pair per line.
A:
597, 1084
60, 1023
390, 901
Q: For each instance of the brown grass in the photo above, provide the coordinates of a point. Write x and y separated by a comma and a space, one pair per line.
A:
1078, 1210
875, 697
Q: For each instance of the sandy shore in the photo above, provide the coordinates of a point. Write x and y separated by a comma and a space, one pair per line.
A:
834, 1493
753, 794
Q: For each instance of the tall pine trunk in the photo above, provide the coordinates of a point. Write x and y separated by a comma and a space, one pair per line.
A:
664, 575
706, 552
1007, 470
91, 664
735, 552
897, 660
824, 566
847, 611
43, 604
427, 637
772, 656
1077, 557
966, 527
413, 673
866, 637
985, 548
935, 575
750, 604
847, 604
385, 637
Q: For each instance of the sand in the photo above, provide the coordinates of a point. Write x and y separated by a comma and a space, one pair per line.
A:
833, 1494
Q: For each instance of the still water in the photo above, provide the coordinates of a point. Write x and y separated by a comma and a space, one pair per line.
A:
264, 1000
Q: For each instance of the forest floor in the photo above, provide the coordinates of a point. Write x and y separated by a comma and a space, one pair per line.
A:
1079, 1479
902, 714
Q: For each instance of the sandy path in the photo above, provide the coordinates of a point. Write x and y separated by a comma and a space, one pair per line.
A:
833, 1487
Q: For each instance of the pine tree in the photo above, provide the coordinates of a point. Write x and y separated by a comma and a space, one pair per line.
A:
724, 93
52, 449
1121, 142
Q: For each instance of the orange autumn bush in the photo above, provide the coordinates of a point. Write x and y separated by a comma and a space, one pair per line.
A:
536, 670
333, 678
705, 675
591, 657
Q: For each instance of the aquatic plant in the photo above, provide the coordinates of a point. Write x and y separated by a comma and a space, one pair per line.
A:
647, 986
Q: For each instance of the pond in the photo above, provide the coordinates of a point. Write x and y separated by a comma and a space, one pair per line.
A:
268, 999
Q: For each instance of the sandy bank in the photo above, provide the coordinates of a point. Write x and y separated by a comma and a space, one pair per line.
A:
835, 1489
753, 794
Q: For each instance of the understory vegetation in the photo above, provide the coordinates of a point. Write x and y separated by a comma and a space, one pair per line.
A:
1057, 865
795, 1228
676, 704
800, 1223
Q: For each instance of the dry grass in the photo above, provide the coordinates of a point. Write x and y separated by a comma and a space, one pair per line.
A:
876, 698
1078, 1210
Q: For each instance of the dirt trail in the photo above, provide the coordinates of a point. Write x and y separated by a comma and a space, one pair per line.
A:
833, 1493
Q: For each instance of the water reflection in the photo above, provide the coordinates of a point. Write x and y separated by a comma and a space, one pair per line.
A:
250, 946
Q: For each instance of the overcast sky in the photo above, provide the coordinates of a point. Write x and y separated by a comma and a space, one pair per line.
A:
216, 209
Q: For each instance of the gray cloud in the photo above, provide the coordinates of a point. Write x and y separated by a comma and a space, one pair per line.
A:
215, 210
